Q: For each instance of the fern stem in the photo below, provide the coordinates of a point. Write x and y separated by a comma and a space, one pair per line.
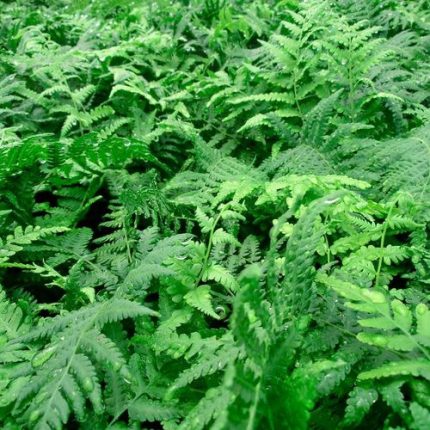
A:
426, 183
253, 410
351, 84
382, 244
127, 244
209, 247
296, 97
327, 244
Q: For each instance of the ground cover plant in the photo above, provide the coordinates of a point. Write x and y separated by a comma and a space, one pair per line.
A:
214, 214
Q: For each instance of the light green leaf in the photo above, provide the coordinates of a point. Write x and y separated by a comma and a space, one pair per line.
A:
200, 298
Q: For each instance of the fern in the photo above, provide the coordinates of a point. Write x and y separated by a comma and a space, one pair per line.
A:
47, 402
14, 243
213, 215
394, 317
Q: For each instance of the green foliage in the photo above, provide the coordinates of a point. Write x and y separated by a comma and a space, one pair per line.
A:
213, 214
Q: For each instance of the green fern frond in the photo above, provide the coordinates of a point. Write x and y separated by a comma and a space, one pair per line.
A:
145, 409
316, 122
16, 242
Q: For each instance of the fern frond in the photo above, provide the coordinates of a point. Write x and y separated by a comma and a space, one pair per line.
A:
21, 237
145, 409
316, 122
13, 323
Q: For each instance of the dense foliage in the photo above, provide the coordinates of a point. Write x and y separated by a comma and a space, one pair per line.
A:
214, 214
